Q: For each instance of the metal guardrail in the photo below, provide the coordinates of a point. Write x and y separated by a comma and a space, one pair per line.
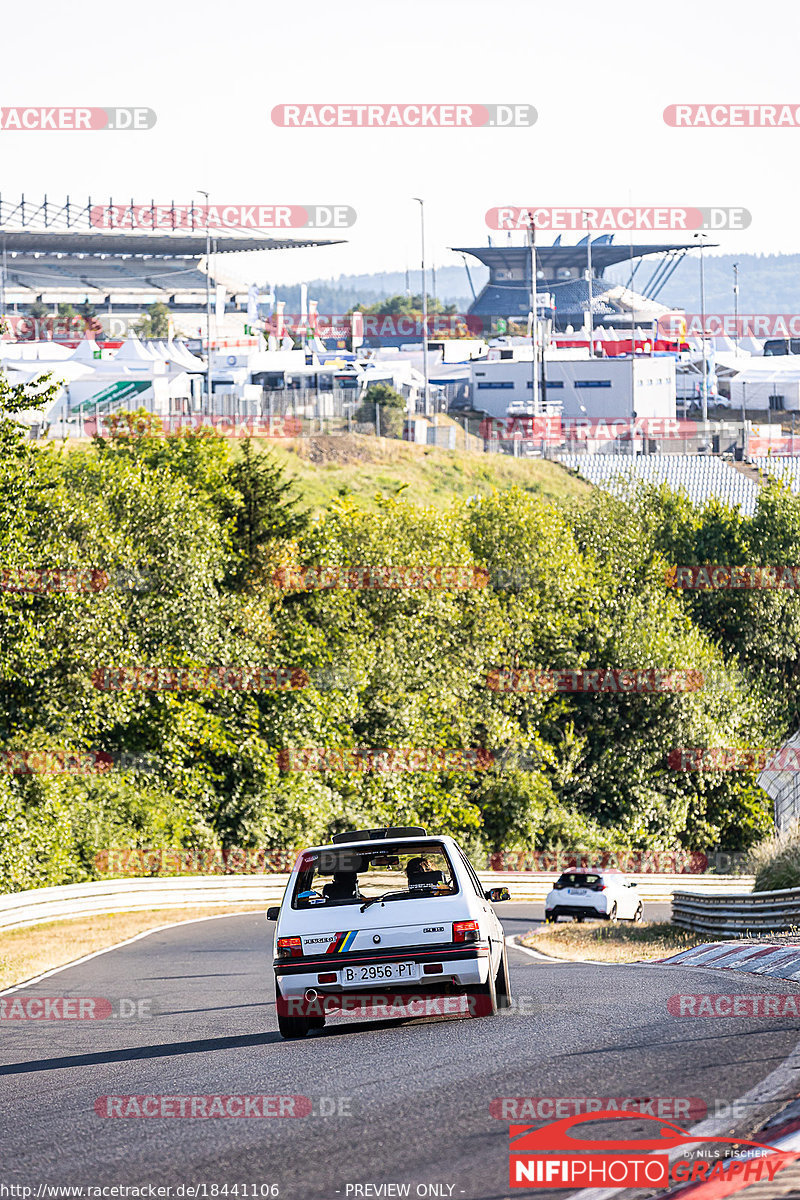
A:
737, 912
38, 905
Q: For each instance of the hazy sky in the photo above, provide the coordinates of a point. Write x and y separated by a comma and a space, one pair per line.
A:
600, 76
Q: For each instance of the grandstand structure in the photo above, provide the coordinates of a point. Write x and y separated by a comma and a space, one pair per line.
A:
701, 477
786, 468
562, 272
55, 253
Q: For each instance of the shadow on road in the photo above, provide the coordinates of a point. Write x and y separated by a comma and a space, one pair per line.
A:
135, 1052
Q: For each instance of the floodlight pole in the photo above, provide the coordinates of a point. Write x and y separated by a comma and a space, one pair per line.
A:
421, 204
534, 321
701, 237
208, 303
736, 306
590, 304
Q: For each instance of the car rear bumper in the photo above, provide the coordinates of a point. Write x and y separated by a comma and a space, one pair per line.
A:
462, 967
577, 910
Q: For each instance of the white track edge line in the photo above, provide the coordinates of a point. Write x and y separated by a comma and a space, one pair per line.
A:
117, 946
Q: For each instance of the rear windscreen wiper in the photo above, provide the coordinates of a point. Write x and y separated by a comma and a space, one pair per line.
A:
375, 899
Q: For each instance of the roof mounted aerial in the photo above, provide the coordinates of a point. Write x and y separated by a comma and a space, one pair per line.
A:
387, 831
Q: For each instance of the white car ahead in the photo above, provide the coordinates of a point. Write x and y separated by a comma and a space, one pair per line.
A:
388, 908
601, 894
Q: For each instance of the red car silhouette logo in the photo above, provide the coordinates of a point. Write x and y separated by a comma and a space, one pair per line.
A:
556, 1136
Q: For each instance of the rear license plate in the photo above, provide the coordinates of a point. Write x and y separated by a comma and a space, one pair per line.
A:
577, 891
380, 973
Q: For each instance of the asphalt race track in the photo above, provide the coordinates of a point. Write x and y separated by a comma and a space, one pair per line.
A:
392, 1103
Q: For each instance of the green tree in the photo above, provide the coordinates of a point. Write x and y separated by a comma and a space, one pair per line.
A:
262, 506
385, 408
155, 321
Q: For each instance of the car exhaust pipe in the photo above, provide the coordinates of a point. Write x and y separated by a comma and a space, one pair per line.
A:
311, 995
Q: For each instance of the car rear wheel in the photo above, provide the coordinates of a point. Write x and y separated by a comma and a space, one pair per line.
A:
293, 1027
552, 916
639, 914
503, 983
483, 997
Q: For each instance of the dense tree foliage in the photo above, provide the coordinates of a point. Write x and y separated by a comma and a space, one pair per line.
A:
207, 570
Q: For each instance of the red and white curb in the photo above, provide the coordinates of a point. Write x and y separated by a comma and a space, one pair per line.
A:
783, 1136
778, 960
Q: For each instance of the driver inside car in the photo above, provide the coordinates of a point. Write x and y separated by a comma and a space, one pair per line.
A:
343, 886
421, 873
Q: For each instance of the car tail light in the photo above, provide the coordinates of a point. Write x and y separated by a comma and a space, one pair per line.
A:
466, 931
328, 977
290, 947
601, 887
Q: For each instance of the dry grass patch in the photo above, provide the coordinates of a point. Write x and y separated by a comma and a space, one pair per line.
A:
602, 942
28, 952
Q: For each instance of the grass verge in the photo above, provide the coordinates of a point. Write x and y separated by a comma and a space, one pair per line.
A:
602, 942
28, 952
364, 469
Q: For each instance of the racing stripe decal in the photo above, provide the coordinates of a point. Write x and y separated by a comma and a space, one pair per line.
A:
342, 941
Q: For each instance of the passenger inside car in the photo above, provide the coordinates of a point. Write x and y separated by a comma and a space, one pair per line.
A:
420, 873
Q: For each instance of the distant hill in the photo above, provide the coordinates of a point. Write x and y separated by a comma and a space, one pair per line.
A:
768, 283
338, 295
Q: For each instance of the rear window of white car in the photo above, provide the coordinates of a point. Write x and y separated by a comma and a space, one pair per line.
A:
345, 875
578, 879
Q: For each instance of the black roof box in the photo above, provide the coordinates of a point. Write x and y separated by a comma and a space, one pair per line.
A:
389, 831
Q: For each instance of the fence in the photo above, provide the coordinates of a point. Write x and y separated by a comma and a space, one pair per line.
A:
738, 912
37, 905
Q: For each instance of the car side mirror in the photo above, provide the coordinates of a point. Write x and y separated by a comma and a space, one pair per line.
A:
273, 913
497, 894
633, 885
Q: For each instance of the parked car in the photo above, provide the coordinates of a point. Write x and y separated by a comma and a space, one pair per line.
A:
605, 895
395, 908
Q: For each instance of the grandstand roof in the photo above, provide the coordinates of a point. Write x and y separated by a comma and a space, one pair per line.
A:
551, 257
171, 245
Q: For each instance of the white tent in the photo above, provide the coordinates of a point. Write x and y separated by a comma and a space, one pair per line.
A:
180, 353
133, 354
764, 377
85, 352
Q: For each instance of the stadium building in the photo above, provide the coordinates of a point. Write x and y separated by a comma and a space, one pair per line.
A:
55, 254
562, 274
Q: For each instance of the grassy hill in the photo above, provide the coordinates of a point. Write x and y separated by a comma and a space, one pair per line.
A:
366, 467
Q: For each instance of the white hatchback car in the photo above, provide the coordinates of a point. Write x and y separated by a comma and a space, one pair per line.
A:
593, 893
392, 908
